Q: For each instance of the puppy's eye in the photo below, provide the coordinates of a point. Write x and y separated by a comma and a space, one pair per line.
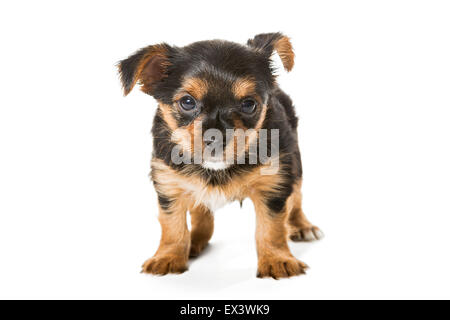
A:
187, 103
248, 106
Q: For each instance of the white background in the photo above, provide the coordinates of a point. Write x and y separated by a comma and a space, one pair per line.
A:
371, 85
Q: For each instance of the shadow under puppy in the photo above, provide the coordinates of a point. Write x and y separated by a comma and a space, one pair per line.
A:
224, 86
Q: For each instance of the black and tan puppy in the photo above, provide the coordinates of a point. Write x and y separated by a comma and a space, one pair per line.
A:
230, 88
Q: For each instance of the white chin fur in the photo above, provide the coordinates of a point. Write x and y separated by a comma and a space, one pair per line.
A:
215, 165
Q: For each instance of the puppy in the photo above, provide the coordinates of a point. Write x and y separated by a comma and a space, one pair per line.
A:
220, 100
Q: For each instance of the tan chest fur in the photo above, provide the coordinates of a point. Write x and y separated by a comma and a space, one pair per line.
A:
189, 191
212, 198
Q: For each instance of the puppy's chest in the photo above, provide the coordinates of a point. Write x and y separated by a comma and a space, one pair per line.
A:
213, 198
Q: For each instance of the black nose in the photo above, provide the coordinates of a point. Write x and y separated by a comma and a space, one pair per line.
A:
218, 118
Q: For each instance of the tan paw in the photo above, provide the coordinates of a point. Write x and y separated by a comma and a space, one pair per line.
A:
309, 233
196, 249
164, 264
280, 267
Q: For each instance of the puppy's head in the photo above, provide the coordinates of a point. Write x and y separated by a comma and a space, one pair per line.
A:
209, 87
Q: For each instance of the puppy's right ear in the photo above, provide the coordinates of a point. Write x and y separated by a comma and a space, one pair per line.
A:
147, 67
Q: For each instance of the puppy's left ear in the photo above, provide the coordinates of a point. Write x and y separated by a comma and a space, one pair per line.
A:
270, 42
146, 67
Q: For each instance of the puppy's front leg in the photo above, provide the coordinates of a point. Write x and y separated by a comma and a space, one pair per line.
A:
202, 222
274, 257
173, 251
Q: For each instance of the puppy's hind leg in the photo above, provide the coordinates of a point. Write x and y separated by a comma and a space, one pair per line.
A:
202, 222
299, 226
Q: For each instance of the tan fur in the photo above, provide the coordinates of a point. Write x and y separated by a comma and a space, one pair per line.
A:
274, 257
183, 136
147, 77
167, 115
196, 87
189, 136
250, 135
284, 48
262, 117
173, 251
202, 222
244, 87
300, 229
193, 190
238, 124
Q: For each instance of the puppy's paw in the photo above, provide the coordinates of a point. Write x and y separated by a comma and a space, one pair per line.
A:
164, 264
196, 249
280, 267
309, 233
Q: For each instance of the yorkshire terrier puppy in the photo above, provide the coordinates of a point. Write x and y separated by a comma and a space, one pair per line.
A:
223, 131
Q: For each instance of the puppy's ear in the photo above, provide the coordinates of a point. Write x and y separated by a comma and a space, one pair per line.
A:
268, 42
147, 67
